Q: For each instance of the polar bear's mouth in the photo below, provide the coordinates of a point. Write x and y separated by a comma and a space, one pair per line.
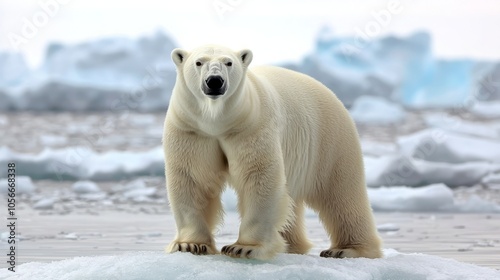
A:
214, 86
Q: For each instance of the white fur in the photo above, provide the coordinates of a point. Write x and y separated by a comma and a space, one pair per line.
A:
280, 139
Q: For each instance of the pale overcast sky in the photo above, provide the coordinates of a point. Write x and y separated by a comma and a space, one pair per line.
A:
276, 31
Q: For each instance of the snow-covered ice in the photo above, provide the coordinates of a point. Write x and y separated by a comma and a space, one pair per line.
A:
157, 265
457, 125
373, 148
432, 198
489, 110
387, 227
443, 146
492, 180
95, 196
397, 170
140, 192
82, 163
376, 110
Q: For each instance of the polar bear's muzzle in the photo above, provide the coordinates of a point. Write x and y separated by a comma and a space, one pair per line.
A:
214, 86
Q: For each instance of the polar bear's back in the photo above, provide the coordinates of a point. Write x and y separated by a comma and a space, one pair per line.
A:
305, 99
317, 130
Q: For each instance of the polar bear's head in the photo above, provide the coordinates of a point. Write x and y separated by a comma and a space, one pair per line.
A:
211, 71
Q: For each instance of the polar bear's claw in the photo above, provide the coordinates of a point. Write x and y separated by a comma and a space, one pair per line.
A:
332, 254
355, 252
194, 248
238, 251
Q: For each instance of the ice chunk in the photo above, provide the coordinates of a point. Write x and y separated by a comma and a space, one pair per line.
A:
436, 197
142, 192
82, 163
82, 187
457, 125
372, 148
432, 198
492, 181
490, 110
442, 146
399, 170
23, 184
45, 204
387, 227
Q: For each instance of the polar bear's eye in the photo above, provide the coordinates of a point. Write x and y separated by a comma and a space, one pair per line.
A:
198, 63
229, 63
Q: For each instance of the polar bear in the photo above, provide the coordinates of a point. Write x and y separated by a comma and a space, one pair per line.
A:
281, 139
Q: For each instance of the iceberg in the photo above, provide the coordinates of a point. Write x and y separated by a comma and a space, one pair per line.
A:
399, 68
112, 74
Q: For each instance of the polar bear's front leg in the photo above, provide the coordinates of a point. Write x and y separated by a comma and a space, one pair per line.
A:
258, 176
196, 170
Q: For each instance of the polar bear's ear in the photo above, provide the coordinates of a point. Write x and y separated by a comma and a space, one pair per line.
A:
179, 56
246, 57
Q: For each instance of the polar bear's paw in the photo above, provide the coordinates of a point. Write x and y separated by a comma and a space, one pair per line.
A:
351, 253
260, 252
194, 248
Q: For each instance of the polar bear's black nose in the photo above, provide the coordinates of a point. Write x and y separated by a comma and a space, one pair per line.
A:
214, 82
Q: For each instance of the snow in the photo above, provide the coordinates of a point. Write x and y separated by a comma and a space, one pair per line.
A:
376, 110
157, 265
83, 187
230, 200
443, 146
24, 185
